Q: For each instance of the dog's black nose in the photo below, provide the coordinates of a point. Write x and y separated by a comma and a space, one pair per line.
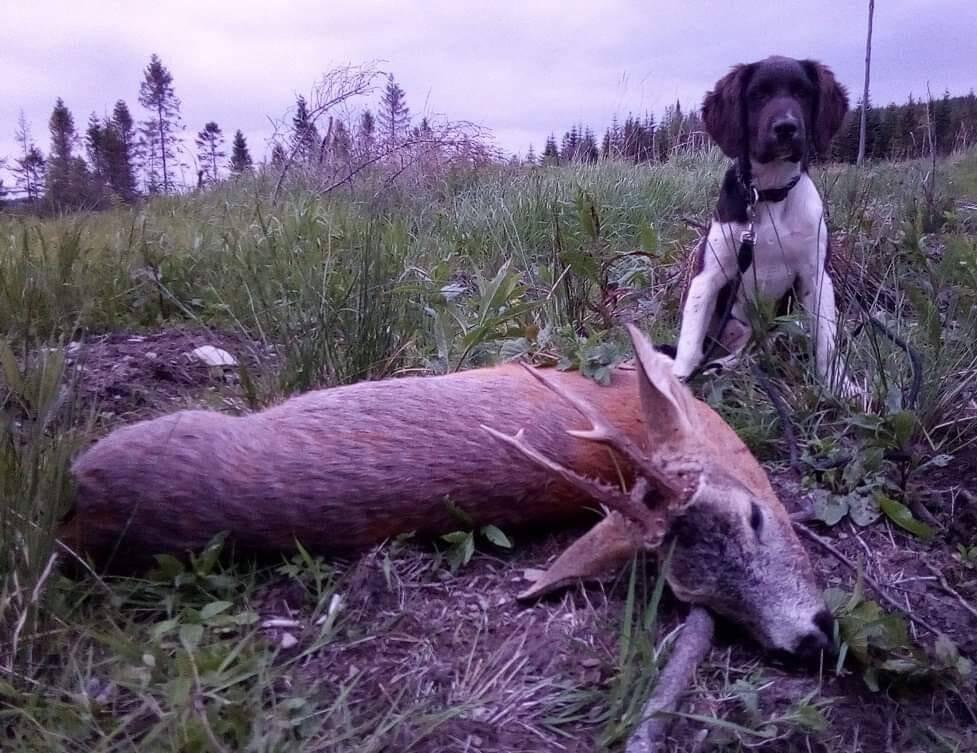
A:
820, 638
785, 129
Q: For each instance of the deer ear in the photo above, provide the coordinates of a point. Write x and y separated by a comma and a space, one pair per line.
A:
667, 404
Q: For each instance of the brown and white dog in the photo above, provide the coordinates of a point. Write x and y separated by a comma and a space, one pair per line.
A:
769, 116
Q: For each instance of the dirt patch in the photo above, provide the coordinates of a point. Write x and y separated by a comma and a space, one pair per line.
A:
123, 376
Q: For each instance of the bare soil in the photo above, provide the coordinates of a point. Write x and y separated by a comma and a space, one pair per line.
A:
413, 633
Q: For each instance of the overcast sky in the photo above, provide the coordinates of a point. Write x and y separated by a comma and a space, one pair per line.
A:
521, 68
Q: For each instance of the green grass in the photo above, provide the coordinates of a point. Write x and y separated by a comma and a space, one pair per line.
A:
467, 270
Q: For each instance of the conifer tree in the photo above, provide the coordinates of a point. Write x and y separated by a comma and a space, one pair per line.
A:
29, 166
210, 150
120, 148
61, 192
393, 115
551, 156
240, 156
278, 156
305, 135
95, 149
366, 135
159, 130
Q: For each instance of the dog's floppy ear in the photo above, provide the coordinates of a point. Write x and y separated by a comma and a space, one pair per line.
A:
723, 111
830, 107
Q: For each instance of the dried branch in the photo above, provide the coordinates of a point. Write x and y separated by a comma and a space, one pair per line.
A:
690, 649
827, 545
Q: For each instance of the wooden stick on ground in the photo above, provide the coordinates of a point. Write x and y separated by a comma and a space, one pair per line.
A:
884, 595
690, 649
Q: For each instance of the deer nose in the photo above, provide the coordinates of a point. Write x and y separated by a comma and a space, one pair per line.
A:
819, 638
785, 129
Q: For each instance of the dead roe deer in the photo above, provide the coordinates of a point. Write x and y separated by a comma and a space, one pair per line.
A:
344, 468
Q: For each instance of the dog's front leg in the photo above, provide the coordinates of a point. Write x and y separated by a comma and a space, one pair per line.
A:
700, 304
817, 296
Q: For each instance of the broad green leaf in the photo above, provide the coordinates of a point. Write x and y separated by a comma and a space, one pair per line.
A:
496, 536
829, 508
190, 636
456, 537
899, 514
213, 609
903, 425
178, 691
864, 509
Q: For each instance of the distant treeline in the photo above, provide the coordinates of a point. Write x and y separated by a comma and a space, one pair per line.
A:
325, 142
330, 143
906, 131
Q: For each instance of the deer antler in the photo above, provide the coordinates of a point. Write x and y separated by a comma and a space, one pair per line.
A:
629, 504
601, 431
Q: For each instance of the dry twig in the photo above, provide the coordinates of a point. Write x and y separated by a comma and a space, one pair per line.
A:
868, 578
690, 649
950, 590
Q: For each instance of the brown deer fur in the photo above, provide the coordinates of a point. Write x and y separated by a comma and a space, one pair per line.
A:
344, 468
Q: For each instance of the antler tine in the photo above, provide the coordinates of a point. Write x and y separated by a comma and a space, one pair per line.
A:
607, 495
602, 432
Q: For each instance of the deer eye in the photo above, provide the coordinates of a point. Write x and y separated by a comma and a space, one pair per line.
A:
756, 517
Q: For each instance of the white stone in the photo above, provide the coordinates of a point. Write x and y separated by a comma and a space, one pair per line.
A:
212, 356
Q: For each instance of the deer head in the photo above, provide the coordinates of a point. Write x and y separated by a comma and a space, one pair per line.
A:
733, 548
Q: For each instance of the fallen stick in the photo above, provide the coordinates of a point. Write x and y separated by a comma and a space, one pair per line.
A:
884, 595
690, 649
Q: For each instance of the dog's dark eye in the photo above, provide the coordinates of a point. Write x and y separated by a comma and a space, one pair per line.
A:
756, 518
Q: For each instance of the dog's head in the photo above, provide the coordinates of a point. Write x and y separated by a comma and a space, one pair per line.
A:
775, 109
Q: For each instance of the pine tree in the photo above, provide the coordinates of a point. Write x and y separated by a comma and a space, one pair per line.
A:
210, 150
240, 156
278, 156
95, 149
393, 115
120, 148
60, 169
29, 166
342, 144
904, 139
366, 135
943, 125
159, 130
305, 135
551, 156
531, 156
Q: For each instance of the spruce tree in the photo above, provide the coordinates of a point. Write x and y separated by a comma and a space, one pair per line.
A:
159, 130
240, 156
393, 115
305, 135
29, 166
61, 193
95, 149
551, 156
342, 145
210, 150
943, 124
278, 156
120, 148
366, 135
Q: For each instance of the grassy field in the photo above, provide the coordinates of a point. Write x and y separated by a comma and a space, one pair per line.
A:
417, 647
